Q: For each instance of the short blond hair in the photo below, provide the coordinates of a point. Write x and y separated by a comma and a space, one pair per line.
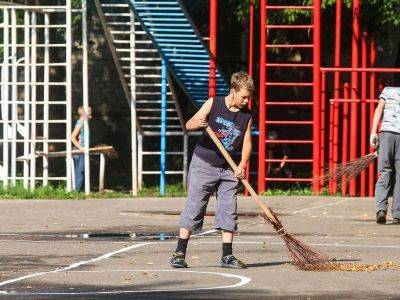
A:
240, 80
81, 110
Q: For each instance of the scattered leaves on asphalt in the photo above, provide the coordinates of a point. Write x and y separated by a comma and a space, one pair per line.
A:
389, 265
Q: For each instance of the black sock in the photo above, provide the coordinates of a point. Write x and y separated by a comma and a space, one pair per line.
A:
226, 249
182, 244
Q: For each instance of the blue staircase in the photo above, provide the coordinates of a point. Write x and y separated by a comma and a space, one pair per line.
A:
175, 36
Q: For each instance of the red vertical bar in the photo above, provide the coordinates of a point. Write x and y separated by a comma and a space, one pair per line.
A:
251, 38
345, 136
372, 95
213, 46
262, 99
330, 145
363, 178
250, 67
354, 91
336, 91
316, 94
323, 117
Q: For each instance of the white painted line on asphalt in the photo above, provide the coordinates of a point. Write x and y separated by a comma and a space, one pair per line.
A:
33, 234
205, 233
135, 246
65, 241
318, 206
243, 280
76, 265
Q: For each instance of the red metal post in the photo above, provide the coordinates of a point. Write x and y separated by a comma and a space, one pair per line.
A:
354, 90
250, 67
345, 136
363, 178
213, 46
316, 93
372, 91
336, 91
330, 144
262, 99
322, 118
251, 38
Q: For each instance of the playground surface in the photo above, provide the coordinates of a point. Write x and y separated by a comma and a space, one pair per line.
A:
111, 249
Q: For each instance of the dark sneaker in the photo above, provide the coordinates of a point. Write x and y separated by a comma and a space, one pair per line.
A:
396, 221
230, 261
381, 217
178, 260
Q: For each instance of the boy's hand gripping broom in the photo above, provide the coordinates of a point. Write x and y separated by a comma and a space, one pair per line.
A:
303, 256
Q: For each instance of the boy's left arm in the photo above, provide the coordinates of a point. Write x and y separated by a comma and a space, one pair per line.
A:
246, 152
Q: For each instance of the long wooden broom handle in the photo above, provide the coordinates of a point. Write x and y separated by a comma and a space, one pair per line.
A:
100, 148
234, 167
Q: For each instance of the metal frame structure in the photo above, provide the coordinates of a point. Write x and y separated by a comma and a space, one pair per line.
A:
165, 47
213, 47
337, 134
182, 49
85, 100
353, 103
22, 138
152, 99
132, 89
179, 42
38, 97
267, 84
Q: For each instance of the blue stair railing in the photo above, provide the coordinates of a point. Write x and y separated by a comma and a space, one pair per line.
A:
180, 44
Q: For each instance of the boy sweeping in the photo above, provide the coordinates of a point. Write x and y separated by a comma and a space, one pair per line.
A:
389, 153
230, 119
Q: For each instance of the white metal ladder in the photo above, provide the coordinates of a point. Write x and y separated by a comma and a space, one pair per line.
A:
141, 64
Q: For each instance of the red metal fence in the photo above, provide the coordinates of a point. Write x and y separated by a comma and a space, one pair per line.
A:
277, 74
342, 109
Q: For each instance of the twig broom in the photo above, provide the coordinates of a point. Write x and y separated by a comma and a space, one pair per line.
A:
343, 173
302, 256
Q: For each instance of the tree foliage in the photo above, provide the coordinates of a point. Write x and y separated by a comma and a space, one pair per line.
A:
377, 16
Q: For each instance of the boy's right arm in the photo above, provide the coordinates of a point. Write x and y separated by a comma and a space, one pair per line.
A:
374, 139
199, 120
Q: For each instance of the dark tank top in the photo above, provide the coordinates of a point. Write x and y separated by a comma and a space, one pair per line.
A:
229, 127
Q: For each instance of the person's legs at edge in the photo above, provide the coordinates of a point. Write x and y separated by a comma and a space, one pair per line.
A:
385, 170
79, 172
396, 189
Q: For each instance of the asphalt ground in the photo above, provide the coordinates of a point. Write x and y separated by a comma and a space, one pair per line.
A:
120, 249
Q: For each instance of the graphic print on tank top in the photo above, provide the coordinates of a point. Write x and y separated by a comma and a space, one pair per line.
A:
228, 134
229, 127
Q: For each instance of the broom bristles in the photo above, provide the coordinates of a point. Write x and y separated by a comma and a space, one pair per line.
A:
343, 173
303, 257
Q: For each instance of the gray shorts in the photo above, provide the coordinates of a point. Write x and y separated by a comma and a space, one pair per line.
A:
203, 179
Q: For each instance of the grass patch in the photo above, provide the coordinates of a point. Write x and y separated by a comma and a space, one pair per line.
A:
53, 192
296, 192
48, 192
172, 190
289, 192
59, 192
